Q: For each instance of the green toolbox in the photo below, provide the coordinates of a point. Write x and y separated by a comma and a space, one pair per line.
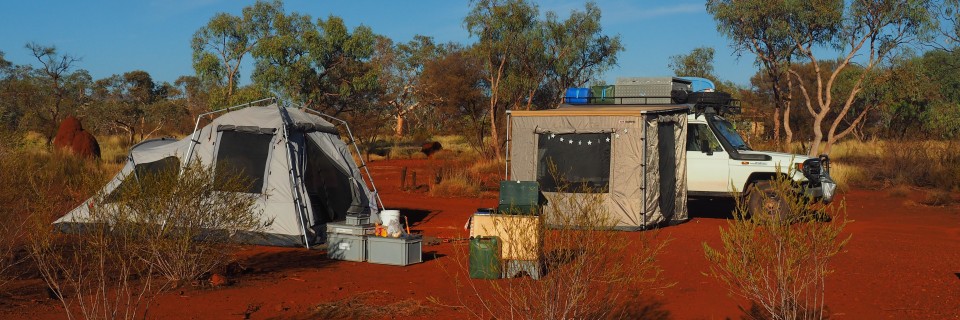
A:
520, 197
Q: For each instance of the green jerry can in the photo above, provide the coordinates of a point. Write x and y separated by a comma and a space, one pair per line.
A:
484, 258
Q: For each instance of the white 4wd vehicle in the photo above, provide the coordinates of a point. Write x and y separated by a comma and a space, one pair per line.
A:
721, 164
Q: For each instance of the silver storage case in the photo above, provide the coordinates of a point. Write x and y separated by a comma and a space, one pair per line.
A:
395, 251
641, 87
346, 247
343, 228
357, 220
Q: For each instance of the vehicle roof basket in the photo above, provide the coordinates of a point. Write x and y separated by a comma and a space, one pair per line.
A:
719, 103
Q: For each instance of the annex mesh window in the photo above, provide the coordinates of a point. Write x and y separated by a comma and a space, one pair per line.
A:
581, 162
243, 155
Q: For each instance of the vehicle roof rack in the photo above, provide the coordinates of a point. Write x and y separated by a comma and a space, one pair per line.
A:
719, 103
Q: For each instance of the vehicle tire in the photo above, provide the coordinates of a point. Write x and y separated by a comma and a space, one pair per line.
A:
763, 200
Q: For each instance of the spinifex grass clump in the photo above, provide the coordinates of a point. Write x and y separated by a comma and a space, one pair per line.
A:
779, 258
168, 223
36, 185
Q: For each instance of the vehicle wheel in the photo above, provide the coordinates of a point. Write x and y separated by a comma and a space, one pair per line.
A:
763, 200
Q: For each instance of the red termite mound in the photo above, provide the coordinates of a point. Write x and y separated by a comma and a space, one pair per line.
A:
72, 137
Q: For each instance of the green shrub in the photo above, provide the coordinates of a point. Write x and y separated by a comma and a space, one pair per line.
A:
171, 224
779, 259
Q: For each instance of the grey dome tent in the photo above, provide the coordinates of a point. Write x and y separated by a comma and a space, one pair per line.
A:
633, 155
303, 172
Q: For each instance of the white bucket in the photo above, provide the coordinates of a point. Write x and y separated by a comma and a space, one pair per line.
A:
388, 217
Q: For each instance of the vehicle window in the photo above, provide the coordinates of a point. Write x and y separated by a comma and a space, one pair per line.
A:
697, 133
727, 130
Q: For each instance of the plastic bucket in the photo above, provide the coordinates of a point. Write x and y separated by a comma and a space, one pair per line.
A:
389, 216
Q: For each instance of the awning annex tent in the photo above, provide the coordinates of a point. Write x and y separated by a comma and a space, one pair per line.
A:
633, 155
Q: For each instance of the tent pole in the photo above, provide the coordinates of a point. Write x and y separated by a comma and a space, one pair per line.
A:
646, 142
506, 161
294, 179
357, 149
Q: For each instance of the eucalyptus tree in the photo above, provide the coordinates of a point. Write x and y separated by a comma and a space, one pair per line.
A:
322, 64
697, 63
576, 50
401, 66
524, 57
66, 88
861, 32
504, 30
759, 27
219, 47
133, 103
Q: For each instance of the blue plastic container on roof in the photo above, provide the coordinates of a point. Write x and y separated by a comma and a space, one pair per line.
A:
698, 84
577, 96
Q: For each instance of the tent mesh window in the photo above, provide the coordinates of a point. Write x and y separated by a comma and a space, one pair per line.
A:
582, 162
327, 186
141, 171
242, 154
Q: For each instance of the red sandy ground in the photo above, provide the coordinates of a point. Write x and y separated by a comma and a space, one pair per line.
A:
903, 262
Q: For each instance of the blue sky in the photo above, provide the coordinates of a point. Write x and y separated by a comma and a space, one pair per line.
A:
113, 37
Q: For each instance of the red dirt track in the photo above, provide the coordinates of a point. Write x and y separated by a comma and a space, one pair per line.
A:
903, 262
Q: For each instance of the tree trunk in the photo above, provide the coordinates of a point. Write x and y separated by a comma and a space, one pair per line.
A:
776, 123
398, 131
786, 113
788, 133
817, 134
494, 133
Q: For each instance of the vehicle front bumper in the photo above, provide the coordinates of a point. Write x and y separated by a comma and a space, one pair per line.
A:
820, 185
823, 191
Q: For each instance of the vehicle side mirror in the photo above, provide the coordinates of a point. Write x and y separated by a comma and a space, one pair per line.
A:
705, 147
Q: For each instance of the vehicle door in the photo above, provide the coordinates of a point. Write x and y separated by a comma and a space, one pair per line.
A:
707, 163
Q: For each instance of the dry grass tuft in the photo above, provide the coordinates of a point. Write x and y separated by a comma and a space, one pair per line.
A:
371, 305
847, 176
900, 191
113, 149
450, 155
937, 198
884, 163
488, 172
466, 177
457, 184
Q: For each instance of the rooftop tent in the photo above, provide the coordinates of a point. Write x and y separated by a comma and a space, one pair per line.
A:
632, 154
303, 172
